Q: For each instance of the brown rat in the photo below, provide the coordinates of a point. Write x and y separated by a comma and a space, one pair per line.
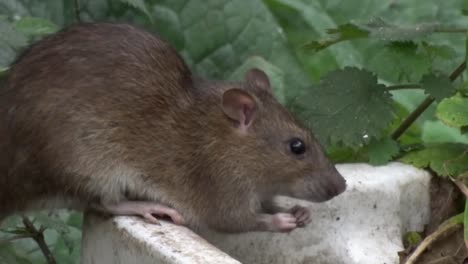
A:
109, 116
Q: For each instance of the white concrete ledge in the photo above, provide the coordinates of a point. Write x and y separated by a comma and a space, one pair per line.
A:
128, 240
364, 225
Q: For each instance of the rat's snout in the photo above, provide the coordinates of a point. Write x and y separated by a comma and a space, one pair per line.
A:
332, 184
336, 185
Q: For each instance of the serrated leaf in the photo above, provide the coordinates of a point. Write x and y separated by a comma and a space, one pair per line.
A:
441, 51
399, 61
12, 7
376, 28
8, 254
275, 74
381, 151
10, 42
348, 106
437, 132
446, 159
11, 37
32, 27
52, 222
140, 5
342, 32
453, 111
382, 30
438, 86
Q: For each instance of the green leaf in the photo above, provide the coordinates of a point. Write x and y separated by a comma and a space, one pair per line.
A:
382, 30
412, 239
446, 159
348, 106
437, 132
438, 86
139, 5
383, 150
343, 32
465, 8
376, 28
10, 42
275, 74
51, 221
464, 130
33, 27
399, 61
453, 111
9, 254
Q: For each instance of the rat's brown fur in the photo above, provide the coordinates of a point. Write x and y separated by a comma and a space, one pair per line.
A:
102, 112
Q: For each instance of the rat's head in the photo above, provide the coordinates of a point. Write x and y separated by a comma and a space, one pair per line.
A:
279, 148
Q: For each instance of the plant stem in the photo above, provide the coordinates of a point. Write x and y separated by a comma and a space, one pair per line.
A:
462, 187
424, 105
446, 228
404, 86
38, 236
77, 10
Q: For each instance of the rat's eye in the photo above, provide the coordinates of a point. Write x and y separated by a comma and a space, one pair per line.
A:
297, 146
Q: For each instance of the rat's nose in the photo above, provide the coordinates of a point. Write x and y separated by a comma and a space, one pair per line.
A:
337, 185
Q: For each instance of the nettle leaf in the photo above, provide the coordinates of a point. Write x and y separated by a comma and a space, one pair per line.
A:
275, 74
376, 28
439, 51
438, 86
33, 27
399, 61
51, 221
383, 150
139, 5
453, 111
380, 29
10, 42
343, 32
446, 159
348, 106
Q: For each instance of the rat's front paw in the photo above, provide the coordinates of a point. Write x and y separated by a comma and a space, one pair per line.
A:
301, 214
283, 222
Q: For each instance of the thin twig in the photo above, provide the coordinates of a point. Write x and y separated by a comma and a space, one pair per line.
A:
39, 238
424, 105
446, 228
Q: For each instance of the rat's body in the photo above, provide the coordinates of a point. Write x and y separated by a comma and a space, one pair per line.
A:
101, 114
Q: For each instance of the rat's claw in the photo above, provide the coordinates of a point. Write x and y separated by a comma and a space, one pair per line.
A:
302, 215
151, 219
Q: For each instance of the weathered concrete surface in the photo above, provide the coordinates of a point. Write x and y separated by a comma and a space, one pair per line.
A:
129, 240
362, 226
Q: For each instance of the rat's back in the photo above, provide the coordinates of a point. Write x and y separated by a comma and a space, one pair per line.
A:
75, 95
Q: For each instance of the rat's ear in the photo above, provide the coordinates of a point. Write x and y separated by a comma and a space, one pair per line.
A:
240, 106
258, 78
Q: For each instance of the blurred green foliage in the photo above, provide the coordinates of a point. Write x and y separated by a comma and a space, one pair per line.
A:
352, 70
